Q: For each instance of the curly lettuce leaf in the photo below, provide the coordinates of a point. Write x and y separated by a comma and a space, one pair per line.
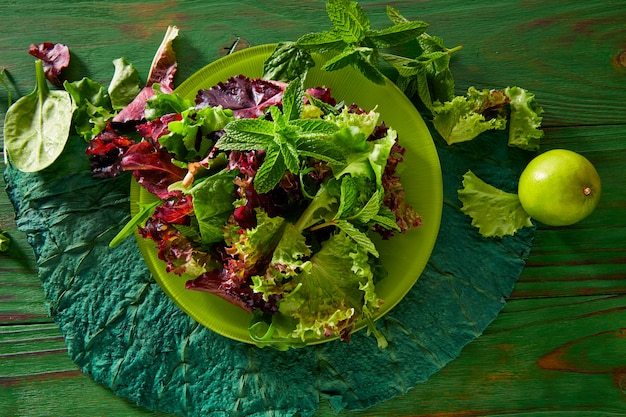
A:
333, 291
93, 107
465, 117
187, 138
525, 119
494, 212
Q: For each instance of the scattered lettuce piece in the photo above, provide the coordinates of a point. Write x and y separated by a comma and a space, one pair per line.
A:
525, 119
55, 57
493, 211
465, 117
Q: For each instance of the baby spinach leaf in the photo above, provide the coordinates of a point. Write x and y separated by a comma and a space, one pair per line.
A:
125, 84
37, 126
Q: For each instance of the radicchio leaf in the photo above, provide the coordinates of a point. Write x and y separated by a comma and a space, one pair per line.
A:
55, 57
245, 96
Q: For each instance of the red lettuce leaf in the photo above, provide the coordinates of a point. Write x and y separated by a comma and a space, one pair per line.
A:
152, 168
54, 56
247, 97
106, 151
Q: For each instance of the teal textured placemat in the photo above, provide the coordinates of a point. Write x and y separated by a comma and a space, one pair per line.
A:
123, 331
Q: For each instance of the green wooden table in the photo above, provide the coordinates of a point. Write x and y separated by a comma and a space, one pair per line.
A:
559, 346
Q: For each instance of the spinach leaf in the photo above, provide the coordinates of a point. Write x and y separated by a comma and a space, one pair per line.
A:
125, 84
37, 126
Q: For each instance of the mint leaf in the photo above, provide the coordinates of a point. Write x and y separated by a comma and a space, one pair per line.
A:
494, 212
351, 39
428, 75
271, 171
293, 99
349, 20
246, 135
285, 139
321, 42
349, 197
397, 34
287, 62
361, 58
386, 219
369, 210
360, 238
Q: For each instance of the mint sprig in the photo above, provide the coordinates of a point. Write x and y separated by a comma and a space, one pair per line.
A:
352, 41
284, 136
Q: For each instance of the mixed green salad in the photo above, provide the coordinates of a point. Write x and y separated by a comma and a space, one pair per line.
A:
268, 192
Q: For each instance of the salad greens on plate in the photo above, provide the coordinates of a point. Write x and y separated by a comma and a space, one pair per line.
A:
268, 193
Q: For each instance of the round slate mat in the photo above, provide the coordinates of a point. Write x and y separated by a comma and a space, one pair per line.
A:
122, 330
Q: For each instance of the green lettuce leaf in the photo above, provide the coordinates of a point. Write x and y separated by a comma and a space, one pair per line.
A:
493, 211
213, 204
333, 291
182, 139
465, 117
125, 84
93, 107
162, 103
525, 119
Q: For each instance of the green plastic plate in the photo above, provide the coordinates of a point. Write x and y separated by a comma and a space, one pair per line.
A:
404, 256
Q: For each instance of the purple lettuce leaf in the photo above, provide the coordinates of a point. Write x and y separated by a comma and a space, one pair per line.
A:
54, 56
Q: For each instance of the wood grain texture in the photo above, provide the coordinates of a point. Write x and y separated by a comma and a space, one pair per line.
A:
559, 346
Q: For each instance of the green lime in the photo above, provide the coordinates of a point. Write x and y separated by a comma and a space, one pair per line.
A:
559, 187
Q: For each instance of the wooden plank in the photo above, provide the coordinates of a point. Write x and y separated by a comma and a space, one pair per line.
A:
549, 48
539, 357
542, 355
589, 257
21, 297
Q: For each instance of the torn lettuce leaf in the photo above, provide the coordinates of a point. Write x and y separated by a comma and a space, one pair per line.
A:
465, 117
525, 119
494, 212
333, 290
